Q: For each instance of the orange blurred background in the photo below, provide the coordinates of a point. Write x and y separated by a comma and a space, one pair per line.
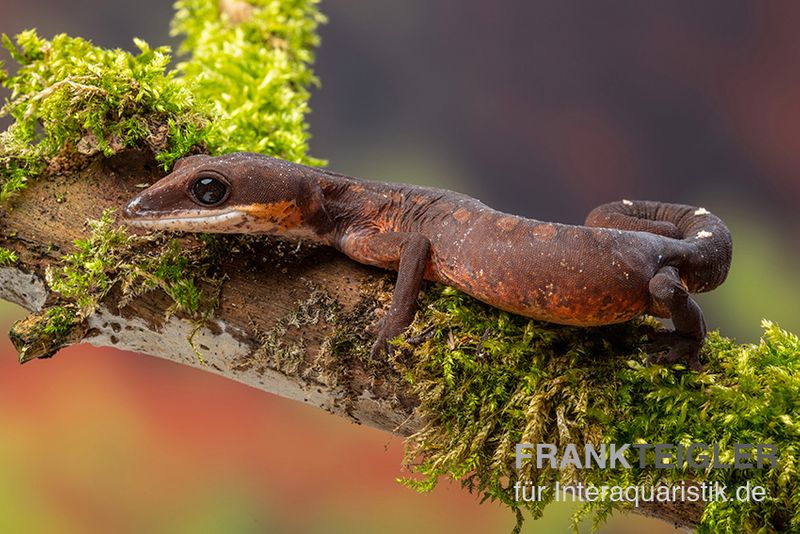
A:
545, 109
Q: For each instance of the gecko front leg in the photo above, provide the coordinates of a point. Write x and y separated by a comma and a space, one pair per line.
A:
408, 254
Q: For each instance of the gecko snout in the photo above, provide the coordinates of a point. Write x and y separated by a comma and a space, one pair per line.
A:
139, 208
131, 209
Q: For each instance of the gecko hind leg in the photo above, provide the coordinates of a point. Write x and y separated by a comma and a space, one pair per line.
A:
685, 342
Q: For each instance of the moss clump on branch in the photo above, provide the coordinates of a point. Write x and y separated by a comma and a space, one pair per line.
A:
43, 334
488, 380
259, 93
86, 275
109, 256
70, 97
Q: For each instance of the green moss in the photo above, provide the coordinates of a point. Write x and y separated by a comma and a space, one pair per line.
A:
110, 258
7, 257
86, 275
488, 380
59, 321
171, 270
259, 93
69, 95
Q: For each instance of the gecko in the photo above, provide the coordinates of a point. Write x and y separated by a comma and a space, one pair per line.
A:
630, 258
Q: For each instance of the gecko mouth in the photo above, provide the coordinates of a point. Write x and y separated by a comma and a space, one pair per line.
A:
188, 221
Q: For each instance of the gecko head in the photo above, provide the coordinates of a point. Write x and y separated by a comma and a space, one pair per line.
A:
234, 193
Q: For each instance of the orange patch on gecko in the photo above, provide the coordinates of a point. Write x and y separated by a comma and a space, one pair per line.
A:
507, 223
544, 232
461, 215
284, 214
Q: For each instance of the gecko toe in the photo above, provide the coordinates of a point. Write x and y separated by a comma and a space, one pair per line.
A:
381, 349
417, 340
654, 347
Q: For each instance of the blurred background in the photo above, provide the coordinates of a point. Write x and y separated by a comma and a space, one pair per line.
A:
544, 109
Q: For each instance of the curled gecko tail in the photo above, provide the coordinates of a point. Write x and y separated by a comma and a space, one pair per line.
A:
703, 255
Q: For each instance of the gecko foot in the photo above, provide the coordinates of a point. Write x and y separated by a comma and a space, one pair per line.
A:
678, 348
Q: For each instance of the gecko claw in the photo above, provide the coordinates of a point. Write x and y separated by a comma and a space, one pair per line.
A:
381, 349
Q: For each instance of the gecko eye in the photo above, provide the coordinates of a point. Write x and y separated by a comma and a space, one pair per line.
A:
209, 191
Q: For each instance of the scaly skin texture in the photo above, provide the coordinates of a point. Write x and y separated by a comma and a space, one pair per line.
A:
631, 257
